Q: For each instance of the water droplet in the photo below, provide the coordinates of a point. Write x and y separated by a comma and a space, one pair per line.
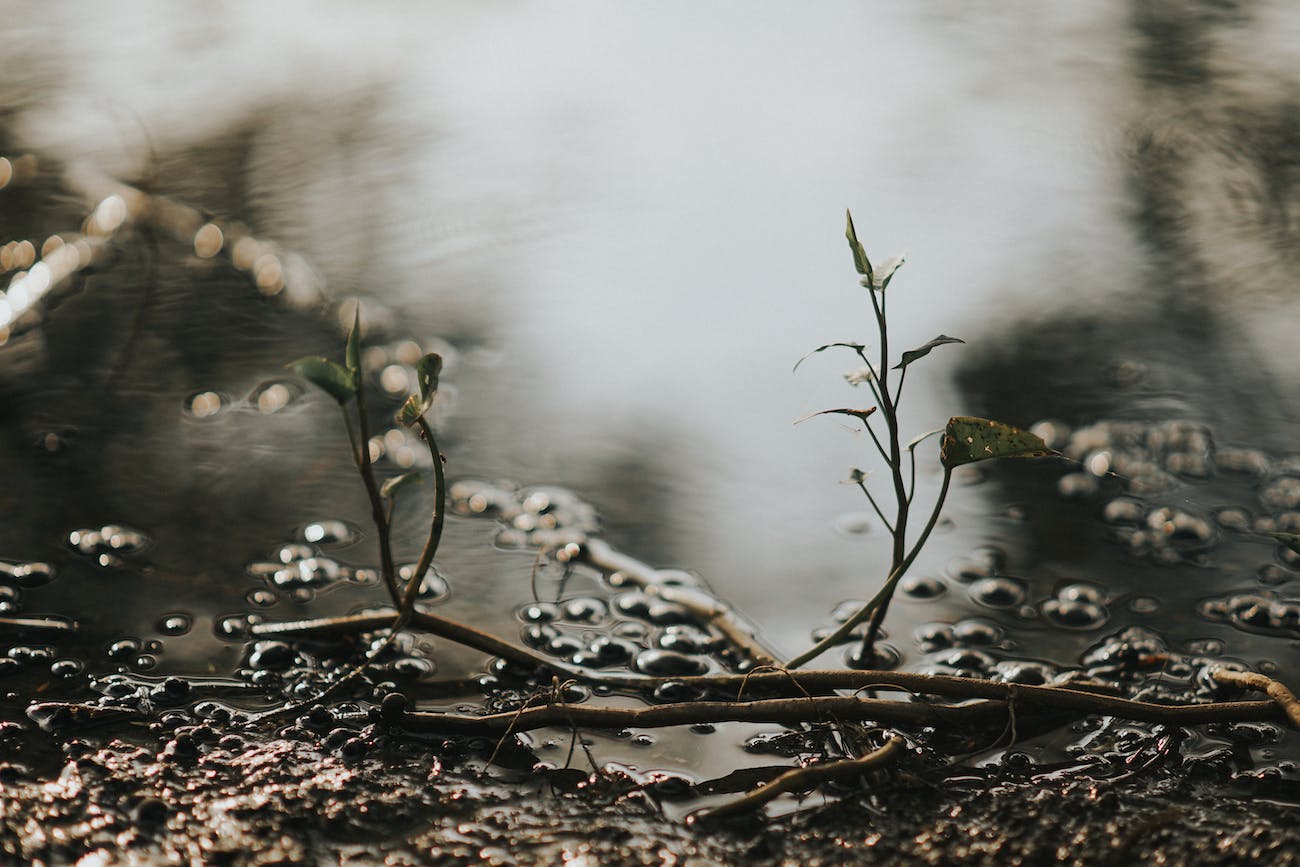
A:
293, 553
1081, 593
922, 587
1123, 510
1233, 518
1077, 485
539, 612
66, 667
966, 660
538, 634
232, 626
976, 633
668, 663
1144, 605
329, 533
564, 646
175, 624
434, 585
31, 574
1074, 614
271, 654
882, 658
262, 598
1272, 574
584, 610
612, 651
998, 592
685, 638
125, 648
934, 636
205, 404
1027, 673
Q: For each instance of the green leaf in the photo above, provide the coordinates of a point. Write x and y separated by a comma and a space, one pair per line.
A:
970, 440
411, 411
397, 482
856, 347
922, 351
426, 371
352, 358
1291, 540
332, 378
860, 414
860, 260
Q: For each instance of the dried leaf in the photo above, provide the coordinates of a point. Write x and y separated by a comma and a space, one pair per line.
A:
880, 280
411, 411
920, 438
856, 347
397, 482
860, 414
969, 440
922, 351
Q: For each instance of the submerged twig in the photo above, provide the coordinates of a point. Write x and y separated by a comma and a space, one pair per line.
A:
804, 779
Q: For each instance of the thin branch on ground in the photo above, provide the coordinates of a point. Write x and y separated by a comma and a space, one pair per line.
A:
805, 779
1275, 690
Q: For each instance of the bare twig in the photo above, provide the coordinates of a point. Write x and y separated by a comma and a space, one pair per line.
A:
803, 779
798, 710
705, 607
1275, 690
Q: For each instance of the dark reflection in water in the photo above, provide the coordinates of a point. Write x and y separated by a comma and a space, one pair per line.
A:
623, 277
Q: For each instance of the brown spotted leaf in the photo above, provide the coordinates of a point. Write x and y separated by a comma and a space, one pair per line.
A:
969, 440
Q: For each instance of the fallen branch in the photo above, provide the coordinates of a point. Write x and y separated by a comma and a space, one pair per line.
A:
802, 780
802, 710
1275, 690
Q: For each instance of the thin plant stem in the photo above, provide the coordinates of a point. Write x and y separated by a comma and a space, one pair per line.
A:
872, 500
377, 510
406, 606
885, 594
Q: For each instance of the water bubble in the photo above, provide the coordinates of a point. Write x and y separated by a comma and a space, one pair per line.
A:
666, 613
125, 648
564, 646
313, 572
1077, 485
1123, 510
328, 533
1233, 518
233, 626
1144, 605
294, 552
1074, 614
934, 636
685, 638
271, 654
1272, 574
365, 577
922, 587
175, 624
882, 657
966, 660
998, 592
1281, 493
66, 667
1238, 460
30, 574
1027, 673
412, 667
635, 604
262, 598
1081, 593
612, 651
668, 663
585, 610
205, 404
976, 632
538, 634
539, 612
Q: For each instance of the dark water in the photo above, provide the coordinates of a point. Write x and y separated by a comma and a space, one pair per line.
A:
622, 232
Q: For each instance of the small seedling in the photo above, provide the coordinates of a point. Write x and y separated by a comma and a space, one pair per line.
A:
965, 440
